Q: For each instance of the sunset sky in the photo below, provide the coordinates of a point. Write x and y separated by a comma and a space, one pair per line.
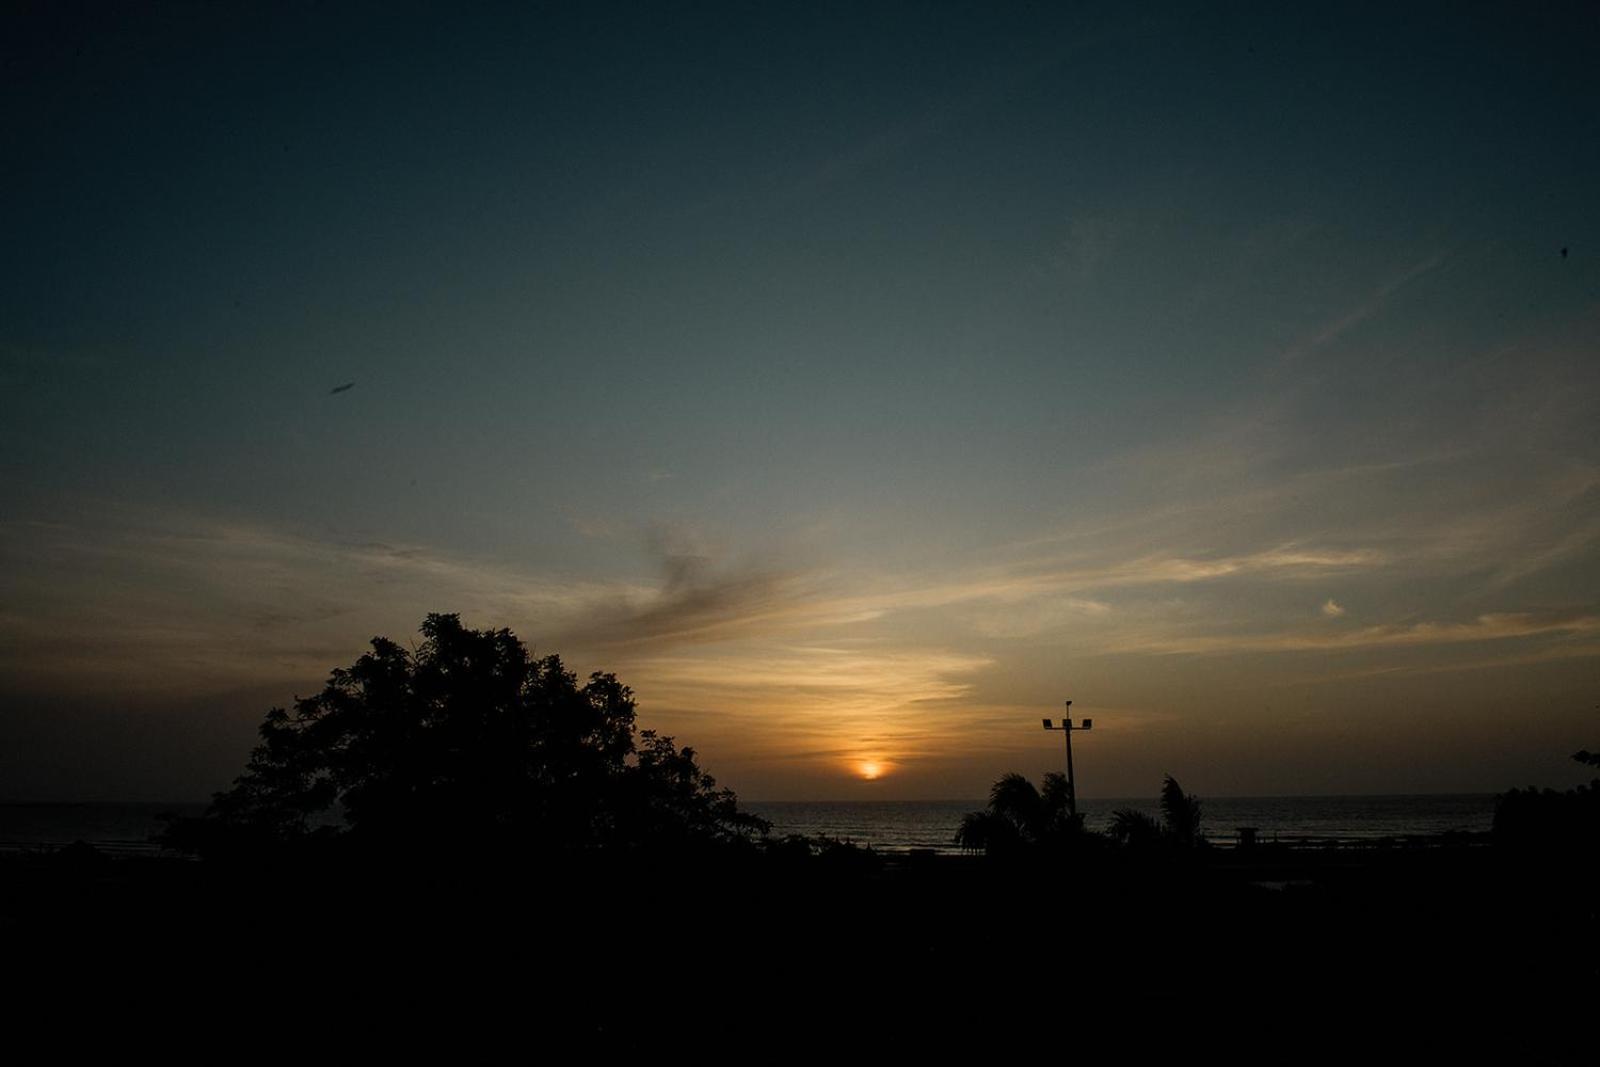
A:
857, 381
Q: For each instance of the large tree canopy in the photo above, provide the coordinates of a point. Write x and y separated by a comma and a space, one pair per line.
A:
467, 740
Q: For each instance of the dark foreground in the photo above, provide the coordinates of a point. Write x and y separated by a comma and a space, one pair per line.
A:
1470, 954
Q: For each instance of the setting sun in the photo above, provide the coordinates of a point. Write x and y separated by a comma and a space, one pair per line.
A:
871, 769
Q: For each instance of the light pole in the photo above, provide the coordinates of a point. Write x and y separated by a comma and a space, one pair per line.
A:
1067, 730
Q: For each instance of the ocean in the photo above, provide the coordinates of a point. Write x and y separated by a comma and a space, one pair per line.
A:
893, 826
115, 828
900, 826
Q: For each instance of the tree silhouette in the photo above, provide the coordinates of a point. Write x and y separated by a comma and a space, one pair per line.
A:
1136, 829
1020, 815
1179, 825
1180, 813
1566, 820
466, 741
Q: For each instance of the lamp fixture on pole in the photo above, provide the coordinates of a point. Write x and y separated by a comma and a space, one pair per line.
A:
1067, 730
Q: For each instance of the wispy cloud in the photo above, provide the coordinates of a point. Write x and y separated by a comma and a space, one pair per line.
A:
1490, 627
816, 704
1525, 562
1375, 302
1031, 580
763, 656
219, 592
187, 603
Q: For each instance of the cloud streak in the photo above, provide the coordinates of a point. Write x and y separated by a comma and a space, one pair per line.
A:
1376, 302
1489, 627
188, 603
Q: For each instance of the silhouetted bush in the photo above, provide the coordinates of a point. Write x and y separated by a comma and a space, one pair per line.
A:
1545, 818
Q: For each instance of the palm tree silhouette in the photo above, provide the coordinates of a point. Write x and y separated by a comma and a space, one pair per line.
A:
1179, 824
1020, 816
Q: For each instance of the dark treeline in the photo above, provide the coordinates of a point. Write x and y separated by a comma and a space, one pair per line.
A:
1565, 823
464, 828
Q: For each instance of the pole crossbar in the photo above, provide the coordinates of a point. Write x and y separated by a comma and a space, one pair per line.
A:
1067, 729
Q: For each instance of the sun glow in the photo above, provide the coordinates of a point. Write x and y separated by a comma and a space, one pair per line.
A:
871, 769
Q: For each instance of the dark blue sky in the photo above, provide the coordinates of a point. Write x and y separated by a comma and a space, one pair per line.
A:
852, 378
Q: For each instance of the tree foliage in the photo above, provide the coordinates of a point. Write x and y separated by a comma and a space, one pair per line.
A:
1135, 829
1021, 816
1568, 820
1178, 827
1180, 813
467, 740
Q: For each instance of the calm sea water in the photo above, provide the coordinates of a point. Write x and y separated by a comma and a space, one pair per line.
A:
110, 827
886, 825
931, 824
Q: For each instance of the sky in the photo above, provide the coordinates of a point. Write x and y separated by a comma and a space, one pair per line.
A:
858, 382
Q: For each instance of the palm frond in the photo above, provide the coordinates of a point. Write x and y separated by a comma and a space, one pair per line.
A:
1180, 812
987, 832
1134, 828
1015, 799
1055, 794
